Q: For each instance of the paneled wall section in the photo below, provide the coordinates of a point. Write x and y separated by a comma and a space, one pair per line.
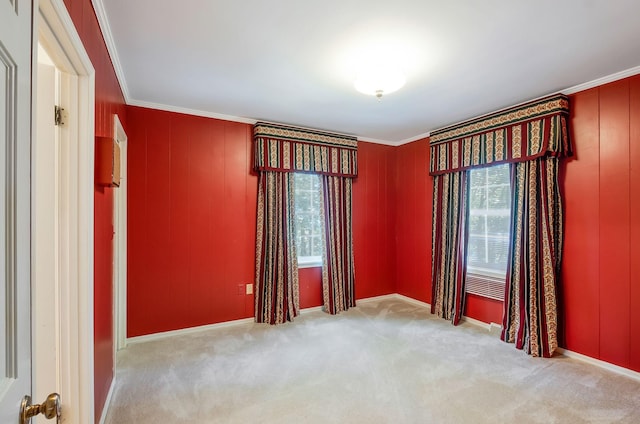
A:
601, 264
374, 211
192, 216
414, 193
600, 283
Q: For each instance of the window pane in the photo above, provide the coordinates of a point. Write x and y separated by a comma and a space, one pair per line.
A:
498, 174
476, 222
478, 197
489, 221
303, 200
498, 225
498, 196
307, 225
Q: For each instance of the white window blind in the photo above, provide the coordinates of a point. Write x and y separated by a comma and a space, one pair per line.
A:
489, 222
307, 225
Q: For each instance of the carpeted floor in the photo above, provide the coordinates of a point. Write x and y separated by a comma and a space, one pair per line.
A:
386, 361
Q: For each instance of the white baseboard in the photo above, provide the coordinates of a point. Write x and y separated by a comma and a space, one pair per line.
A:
412, 300
487, 326
107, 402
600, 364
564, 352
244, 321
476, 322
568, 353
311, 309
165, 334
376, 298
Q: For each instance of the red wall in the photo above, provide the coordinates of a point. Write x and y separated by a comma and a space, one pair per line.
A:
600, 287
310, 287
414, 191
374, 213
192, 214
191, 217
109, 101
483, 309
601, 264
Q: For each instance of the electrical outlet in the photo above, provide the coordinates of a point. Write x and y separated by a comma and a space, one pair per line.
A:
249, 289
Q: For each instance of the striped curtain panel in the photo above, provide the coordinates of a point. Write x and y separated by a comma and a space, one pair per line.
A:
449, 242
277, 293
338, 271
281, 150
531, 309
532, 137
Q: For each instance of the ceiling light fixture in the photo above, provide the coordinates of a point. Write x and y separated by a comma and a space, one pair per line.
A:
379, 80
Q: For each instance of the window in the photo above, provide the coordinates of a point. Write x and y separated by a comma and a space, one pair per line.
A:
489, 222
307, 224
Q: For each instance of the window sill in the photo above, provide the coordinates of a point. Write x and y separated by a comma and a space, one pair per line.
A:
311, 265
486, 273
309, 262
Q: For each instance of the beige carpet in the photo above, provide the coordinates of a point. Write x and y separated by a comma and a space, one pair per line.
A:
387, 361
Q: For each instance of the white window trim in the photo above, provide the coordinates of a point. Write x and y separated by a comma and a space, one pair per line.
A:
486, 282
485, 272
309, 261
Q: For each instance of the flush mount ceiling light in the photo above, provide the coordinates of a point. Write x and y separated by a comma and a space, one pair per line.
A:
379, 80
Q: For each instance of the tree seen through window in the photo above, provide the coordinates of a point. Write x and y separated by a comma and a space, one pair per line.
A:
307, 225
489, 220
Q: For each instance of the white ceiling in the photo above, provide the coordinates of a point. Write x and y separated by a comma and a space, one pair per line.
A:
294, 61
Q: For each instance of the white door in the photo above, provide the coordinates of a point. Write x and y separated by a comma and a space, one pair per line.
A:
15, 237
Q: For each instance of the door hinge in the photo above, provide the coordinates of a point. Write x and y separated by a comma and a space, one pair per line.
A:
60, 116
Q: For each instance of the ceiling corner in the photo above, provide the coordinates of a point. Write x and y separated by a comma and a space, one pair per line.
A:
414, 138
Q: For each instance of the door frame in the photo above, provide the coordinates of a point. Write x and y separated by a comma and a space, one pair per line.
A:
120, 241
54, 28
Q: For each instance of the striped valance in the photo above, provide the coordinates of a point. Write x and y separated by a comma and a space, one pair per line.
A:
290, 149
517, 134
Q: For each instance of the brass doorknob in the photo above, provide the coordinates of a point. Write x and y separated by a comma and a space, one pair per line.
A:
50, 408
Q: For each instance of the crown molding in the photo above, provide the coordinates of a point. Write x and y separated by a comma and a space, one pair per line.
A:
414, 138
378, 141
567, 91
602, 81
103, 23
195, 112
571, 90
233, 118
